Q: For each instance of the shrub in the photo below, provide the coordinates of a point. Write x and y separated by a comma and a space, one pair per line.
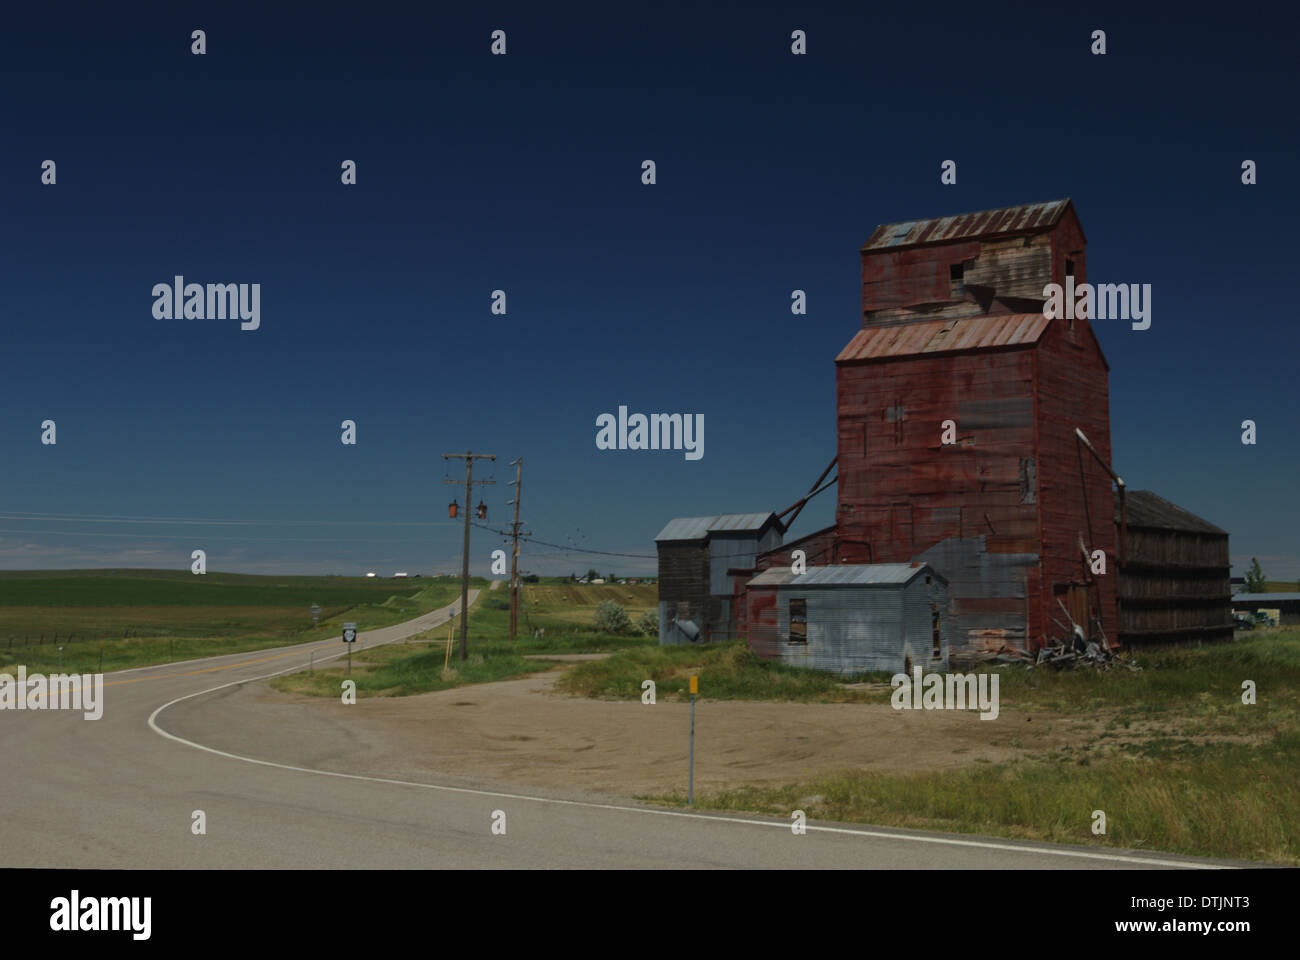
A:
611, 618
648, 624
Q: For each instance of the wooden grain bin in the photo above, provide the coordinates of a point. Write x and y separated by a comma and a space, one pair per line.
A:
696, 593
852, 618
1175, 583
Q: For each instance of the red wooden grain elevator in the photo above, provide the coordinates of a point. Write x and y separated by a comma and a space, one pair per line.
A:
953, 329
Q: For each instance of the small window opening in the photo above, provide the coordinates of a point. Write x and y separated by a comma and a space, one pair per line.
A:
934, 631
799, 621
956, 286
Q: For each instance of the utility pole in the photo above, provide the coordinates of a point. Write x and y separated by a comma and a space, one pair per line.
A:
469, 457
518, 484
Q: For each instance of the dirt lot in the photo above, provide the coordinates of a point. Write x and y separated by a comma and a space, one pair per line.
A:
520, 732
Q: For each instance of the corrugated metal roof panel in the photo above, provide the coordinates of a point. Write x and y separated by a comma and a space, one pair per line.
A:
697, 528
771, 577
939, 336
735, 522
1026, 218
860, 574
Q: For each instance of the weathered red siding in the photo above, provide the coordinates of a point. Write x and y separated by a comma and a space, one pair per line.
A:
1017, 476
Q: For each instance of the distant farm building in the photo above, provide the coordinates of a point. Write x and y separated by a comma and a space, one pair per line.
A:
1286, 606
851, 618
973, 436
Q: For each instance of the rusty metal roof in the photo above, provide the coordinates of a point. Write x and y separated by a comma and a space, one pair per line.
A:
983, 332
697, 528
1026, 218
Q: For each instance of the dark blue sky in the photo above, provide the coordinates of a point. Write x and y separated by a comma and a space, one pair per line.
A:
522, 172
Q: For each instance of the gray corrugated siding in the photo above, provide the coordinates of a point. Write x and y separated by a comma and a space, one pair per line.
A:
857, 629
974, 574
727, 552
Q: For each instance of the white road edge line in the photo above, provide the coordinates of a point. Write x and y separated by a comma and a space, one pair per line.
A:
983, 844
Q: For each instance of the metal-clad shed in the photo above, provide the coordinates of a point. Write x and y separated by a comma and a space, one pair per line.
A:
695, 592
854, 618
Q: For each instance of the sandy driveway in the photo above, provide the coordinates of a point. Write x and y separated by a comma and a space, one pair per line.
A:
523, 733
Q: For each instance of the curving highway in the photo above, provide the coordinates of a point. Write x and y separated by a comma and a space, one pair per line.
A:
120, 792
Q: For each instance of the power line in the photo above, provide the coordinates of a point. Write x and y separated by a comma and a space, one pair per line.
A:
204, 537
567, 549
101, 518
106, 518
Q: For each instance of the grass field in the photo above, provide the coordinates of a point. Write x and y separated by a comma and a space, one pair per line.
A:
554, 618
138, 617
1180, 764
727, 671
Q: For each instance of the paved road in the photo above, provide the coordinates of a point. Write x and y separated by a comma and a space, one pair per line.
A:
120, 792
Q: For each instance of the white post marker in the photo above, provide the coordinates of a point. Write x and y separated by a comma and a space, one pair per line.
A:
315, 613
349, 637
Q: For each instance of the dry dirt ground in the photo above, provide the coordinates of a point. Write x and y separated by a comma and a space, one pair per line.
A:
522, 733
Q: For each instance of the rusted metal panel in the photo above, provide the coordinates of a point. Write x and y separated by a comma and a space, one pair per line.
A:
939, 336
1026, 218
1075, 492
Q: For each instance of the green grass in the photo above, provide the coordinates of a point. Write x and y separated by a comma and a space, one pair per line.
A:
727, 671
1230, 801
402, 669
1182, 764
398, 670
139, 617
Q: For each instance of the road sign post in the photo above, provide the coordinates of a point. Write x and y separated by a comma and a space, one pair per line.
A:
315, 613
349, 637
690, 783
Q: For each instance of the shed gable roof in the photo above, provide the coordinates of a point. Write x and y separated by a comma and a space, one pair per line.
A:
697, 528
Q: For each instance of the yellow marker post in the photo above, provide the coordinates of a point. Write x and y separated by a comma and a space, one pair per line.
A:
690, 783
